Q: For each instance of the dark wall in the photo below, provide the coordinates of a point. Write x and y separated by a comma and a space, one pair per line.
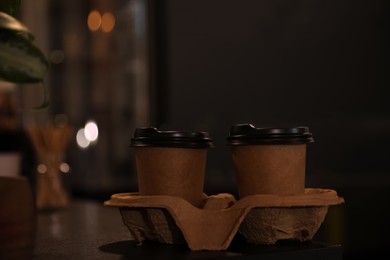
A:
323, 64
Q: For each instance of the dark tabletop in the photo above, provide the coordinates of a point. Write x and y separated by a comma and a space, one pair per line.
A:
88, 230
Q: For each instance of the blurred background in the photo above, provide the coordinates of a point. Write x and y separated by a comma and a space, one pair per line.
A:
205, 65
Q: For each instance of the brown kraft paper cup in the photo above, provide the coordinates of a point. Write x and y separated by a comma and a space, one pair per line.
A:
171, 163
175, 172
269, 169
269, 160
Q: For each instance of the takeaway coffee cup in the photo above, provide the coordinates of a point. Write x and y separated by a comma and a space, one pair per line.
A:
171, 163
269, 160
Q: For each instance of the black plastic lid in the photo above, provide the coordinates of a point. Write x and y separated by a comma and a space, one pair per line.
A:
247, 134
151, 136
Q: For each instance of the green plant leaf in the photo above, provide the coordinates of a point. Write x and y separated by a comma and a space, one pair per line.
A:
46, 98
8, 22
10, 7
20, 60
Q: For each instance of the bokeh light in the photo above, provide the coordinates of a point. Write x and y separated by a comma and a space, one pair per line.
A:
82, 141
41, 168
91, 131
94, 20
64, 167
56, 56
108, 22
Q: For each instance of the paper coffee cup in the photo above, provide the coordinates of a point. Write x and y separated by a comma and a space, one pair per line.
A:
171, 163
269, 160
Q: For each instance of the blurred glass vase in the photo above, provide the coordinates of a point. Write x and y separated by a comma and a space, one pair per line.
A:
50, 143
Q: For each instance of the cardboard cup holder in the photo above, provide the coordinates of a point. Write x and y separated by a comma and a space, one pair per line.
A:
270, 169
261, 219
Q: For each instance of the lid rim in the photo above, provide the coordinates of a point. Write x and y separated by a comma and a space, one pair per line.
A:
247, 134
269, 142
151, 136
